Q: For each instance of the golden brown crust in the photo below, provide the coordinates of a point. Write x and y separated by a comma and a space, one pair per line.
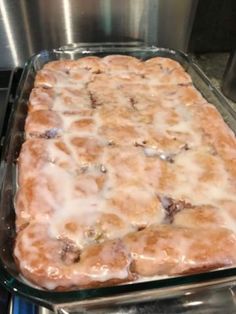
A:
64, 265
172, 250
126, 172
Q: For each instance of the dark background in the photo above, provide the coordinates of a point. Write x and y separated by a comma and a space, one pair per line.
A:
214, 28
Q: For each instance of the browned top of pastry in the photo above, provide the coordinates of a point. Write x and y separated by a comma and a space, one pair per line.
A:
126, 172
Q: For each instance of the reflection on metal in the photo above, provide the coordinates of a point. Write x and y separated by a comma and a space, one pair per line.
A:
68, 21
28, 32
9, 33
106, 17
28, 26
193, 303
42, 310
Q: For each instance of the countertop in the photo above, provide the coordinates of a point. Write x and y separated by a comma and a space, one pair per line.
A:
213, 65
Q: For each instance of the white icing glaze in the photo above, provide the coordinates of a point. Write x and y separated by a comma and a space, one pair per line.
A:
126, 142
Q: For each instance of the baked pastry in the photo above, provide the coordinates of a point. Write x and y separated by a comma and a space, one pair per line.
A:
126, 171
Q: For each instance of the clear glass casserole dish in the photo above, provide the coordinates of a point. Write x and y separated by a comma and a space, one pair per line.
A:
75, 301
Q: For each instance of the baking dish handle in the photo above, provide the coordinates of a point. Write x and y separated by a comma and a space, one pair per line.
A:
211, 300
89, 46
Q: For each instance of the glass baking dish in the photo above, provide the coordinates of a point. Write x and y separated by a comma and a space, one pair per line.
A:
92, 299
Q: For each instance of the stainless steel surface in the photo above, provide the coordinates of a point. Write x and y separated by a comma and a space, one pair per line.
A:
10, 309
28, 26
216, 300
43, 310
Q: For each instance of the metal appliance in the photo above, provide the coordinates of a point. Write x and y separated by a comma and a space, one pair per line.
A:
29, 26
